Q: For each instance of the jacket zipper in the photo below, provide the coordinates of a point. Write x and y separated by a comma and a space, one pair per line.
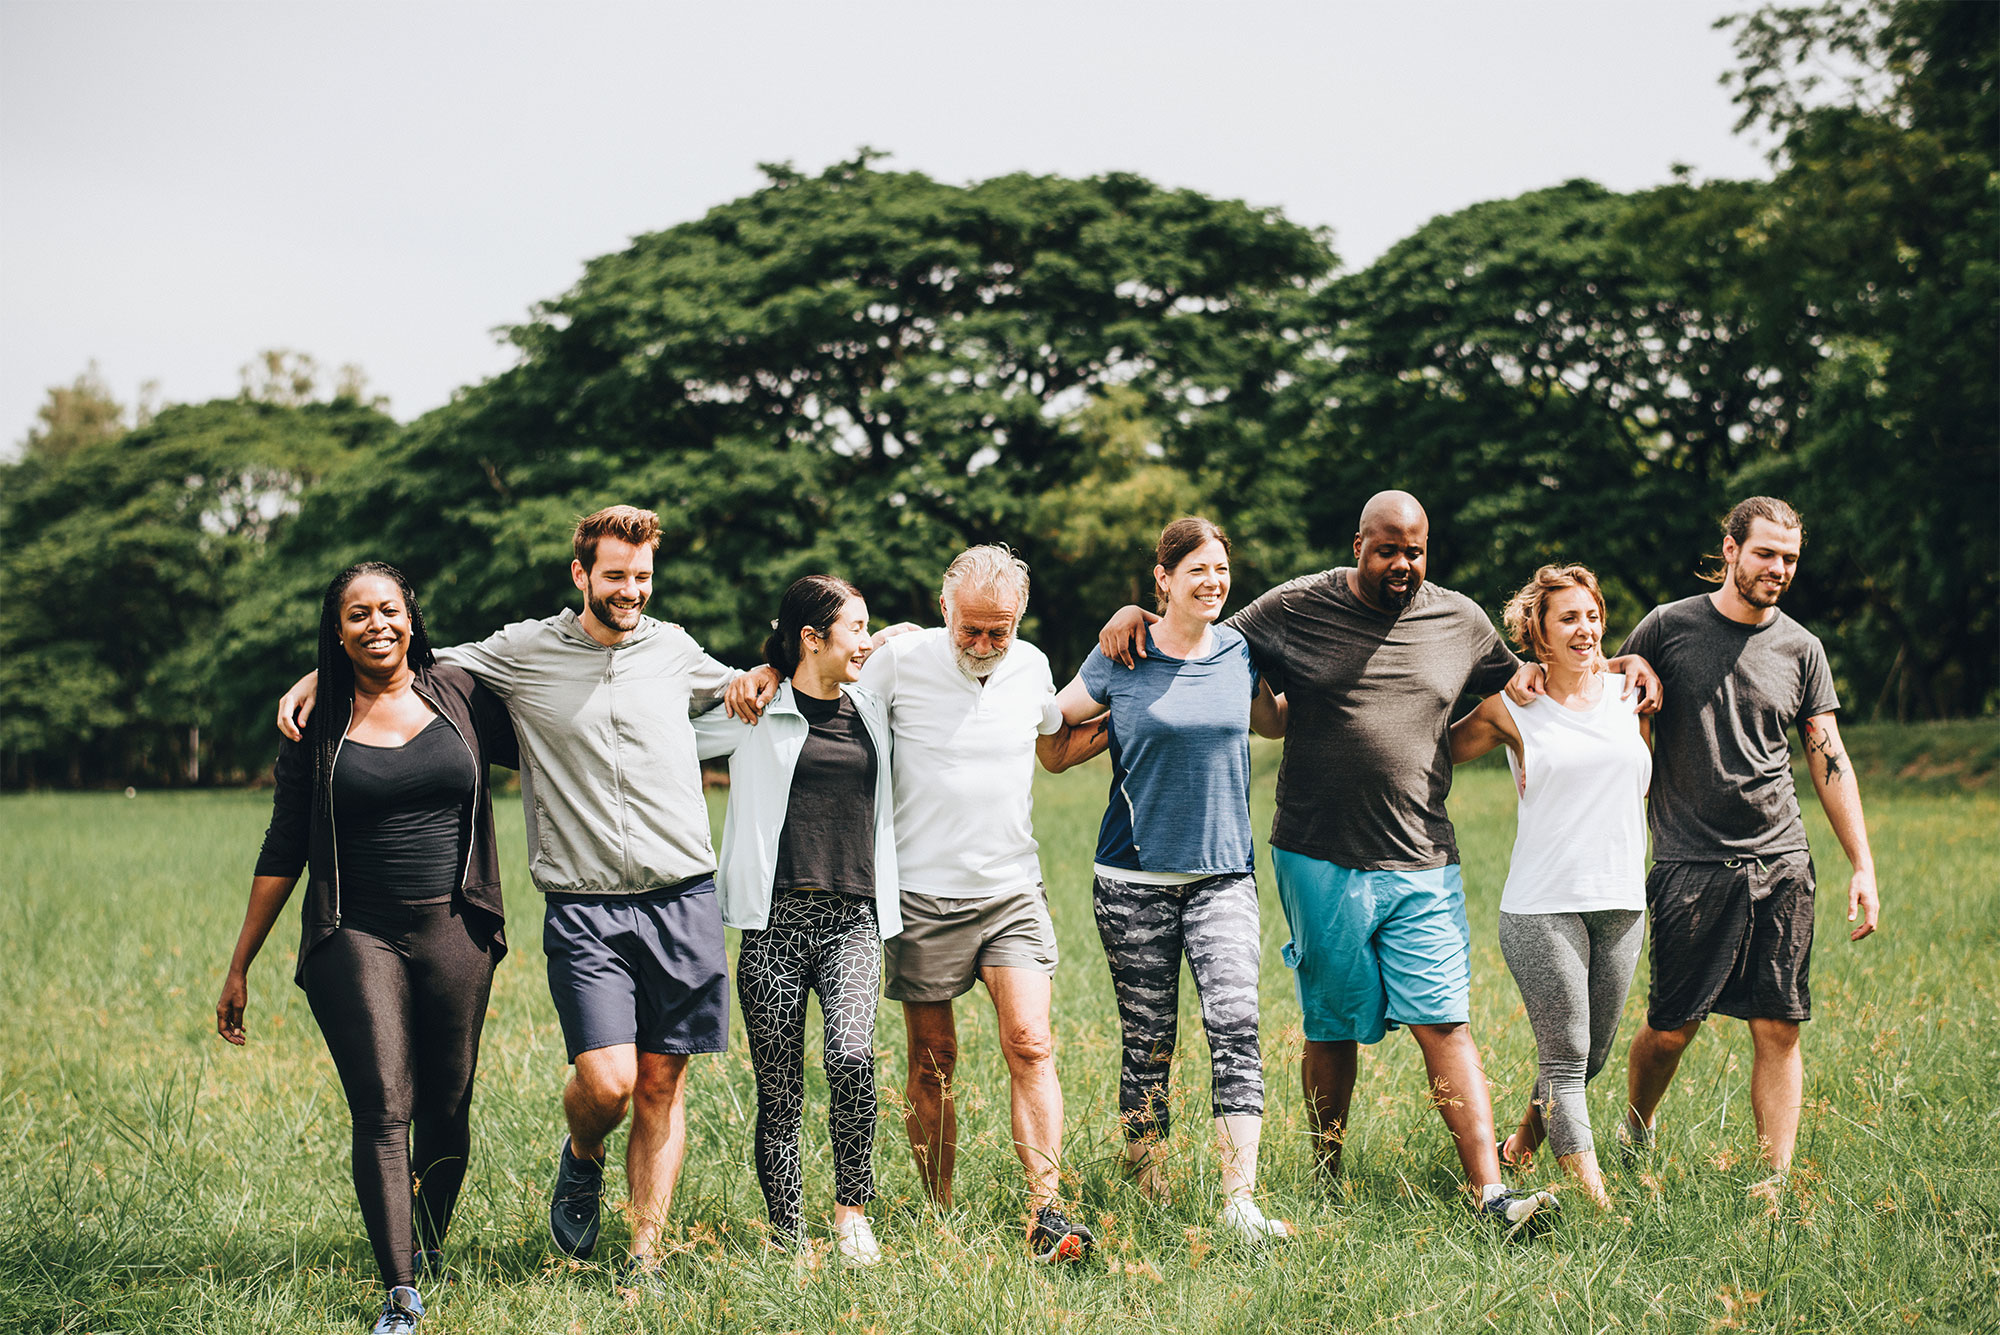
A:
332, 820
478, 780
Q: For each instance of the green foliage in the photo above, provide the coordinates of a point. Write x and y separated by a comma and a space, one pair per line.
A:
860, 371
1886, 198
864, 370
80, 413
121, 555
1548, 390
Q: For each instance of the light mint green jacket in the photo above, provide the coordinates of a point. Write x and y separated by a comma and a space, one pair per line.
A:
761, 760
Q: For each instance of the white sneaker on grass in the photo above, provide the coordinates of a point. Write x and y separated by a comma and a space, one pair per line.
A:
857, 1242
1241, 1215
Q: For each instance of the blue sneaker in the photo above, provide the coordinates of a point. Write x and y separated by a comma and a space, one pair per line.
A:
400, 1313
574, 1204
427, 1263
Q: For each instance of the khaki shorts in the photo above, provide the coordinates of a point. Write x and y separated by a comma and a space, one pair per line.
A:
946, 942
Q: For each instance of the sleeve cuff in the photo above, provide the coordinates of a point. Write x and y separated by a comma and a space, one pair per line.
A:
1052, 717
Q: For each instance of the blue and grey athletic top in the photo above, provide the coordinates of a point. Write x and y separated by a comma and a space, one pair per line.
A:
1180, 759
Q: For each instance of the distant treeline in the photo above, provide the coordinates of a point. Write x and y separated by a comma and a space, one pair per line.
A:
864, 370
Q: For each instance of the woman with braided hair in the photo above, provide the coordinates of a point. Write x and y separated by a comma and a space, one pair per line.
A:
384, 806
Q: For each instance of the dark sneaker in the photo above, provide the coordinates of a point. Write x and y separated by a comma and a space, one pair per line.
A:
1516, 1209
427, 1263
574, 1204
400, 1313
1635, 1141
1054, 1238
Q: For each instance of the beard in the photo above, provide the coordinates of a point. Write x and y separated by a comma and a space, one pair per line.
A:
1754, 591
618, 618
978, 666
1397, 600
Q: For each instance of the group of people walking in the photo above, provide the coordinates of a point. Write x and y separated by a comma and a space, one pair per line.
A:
879, 841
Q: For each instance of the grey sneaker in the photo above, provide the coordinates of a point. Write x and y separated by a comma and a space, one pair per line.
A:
400, 1313
574, 1204
1516, 1209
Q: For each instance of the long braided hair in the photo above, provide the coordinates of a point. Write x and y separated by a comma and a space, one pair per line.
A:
335, 696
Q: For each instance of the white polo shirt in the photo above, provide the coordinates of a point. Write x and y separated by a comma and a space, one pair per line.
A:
964, 764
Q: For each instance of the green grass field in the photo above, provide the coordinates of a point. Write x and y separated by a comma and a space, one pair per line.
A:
154, 1179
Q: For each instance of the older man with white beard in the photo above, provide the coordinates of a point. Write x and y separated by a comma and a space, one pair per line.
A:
971, 707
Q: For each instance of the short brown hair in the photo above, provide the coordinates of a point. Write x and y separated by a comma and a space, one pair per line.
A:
627, 523
1523, 613
1177, 541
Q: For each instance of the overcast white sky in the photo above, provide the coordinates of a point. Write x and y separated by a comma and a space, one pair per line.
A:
184, 184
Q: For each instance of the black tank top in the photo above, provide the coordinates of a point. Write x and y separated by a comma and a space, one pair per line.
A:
828, 842
399, 815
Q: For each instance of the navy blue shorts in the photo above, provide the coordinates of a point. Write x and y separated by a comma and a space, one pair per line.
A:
649, 970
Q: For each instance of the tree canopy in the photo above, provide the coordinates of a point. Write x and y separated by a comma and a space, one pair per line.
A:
866, 369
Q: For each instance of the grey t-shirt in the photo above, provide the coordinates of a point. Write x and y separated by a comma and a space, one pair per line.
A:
1722, 766
1367, 759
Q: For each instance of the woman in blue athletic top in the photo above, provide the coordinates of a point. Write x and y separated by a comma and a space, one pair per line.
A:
1176, 859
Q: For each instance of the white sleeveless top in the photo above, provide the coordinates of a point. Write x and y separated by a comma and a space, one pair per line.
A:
1580, 833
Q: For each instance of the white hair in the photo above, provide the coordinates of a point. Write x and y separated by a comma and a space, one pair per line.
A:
992, 569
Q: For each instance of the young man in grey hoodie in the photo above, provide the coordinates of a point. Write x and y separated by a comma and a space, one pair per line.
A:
618, 841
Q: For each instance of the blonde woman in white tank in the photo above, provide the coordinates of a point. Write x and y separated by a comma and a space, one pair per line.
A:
1572, 914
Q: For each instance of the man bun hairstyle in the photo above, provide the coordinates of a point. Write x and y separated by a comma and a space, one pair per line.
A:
1736, 526
990, 569
1178, 541
1523, 614
627, 523
813, 602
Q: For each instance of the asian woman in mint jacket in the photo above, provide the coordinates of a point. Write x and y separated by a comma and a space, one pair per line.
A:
808, 873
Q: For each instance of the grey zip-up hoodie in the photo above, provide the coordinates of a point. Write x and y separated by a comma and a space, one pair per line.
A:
609, 778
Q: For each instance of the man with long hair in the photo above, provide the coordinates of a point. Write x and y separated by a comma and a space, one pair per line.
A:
1731, 890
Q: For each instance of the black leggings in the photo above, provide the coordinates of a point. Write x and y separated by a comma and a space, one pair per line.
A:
827, 943
400, 992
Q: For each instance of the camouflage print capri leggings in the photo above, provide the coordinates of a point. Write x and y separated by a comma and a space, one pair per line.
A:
1146, 929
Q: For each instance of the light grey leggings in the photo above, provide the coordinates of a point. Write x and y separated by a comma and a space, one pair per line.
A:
1573, 970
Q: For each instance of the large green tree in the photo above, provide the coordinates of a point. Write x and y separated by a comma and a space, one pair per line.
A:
1549, 388
1883, 217
120, 555
858, 371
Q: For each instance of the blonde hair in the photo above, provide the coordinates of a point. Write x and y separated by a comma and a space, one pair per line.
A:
990, 568
1523, 614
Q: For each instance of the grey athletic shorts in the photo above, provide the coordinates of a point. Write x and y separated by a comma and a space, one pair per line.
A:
946, 942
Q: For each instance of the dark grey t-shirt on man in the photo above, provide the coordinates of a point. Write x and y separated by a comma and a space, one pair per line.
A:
1722, 767
1367, 759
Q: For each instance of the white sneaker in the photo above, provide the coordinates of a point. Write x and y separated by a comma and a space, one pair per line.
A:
857, 1242
1250, 1223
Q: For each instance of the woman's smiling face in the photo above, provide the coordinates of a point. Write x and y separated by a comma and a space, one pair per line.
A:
375, 624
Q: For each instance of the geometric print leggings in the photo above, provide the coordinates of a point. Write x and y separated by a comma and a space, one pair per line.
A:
1147, 930
825, 942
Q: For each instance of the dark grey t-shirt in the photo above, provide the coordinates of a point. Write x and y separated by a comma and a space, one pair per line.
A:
1722, 766
1367, 759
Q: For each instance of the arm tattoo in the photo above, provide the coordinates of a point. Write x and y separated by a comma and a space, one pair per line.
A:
1835, 761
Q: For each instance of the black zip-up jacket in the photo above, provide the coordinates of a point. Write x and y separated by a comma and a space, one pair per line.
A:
297, 839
